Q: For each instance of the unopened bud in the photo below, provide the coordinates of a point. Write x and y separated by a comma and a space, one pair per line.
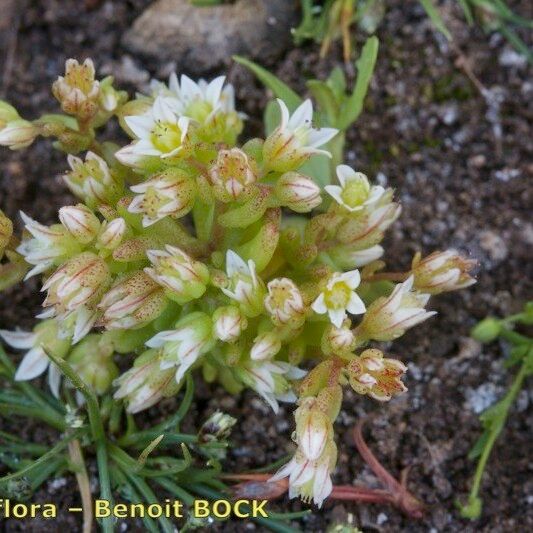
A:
217, 427
111, 234
266, 345
80, 221
92, 360
228, 323
487, 330
298, 192
18, 134
338, 340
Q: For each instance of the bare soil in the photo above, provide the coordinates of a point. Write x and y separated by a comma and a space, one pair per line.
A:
462, 170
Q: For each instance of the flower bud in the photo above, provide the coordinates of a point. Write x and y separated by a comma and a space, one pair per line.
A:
228, 323
313, 428
266, 346
284, 302
372, 374
442, 272
81, 222
80, 281
295, 140
6, 231
78, 91
134, 301
232, 174
92, 181
145, 383
217, 427
243, 285
18, 134
111, 235
388, 318
110, 99
487, 330
182, 346
169, 193
338, 341
297, 192
184, 278
92, 360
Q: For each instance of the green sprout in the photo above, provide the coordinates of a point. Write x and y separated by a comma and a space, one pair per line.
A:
494, 419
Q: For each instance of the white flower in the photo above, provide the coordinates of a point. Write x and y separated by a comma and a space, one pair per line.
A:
270, 380
231, 174
92, 180
35, 362
389, 318
309, 479
180, 274
169, 193
355, 192
197, 100
339, 296
244, 286
160, 133
79, 282
284, 302
295, 139
182, 347
143, 385
48, 247
132, 302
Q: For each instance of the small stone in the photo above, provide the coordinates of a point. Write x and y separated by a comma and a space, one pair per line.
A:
494, 245
200, 39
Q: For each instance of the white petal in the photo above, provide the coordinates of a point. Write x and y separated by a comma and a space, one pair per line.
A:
319, 305
355, 306
337, 316
345, 173
34, 363
22, 340
319, 137
54, 379
302, 116
284, 114
352, 278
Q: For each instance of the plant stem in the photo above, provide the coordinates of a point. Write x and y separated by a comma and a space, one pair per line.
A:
76, 456
98, 434
495, 432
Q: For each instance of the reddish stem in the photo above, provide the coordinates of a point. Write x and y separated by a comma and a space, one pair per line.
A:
395, 493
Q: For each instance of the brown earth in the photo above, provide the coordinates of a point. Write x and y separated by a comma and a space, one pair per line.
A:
462, 169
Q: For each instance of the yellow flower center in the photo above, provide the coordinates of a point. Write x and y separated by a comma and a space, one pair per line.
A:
166, 136
355, 193
338, 296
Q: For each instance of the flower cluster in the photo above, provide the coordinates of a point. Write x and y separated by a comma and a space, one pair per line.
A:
190, 250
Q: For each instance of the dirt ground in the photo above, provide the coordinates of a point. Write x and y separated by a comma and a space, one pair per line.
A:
461, 165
